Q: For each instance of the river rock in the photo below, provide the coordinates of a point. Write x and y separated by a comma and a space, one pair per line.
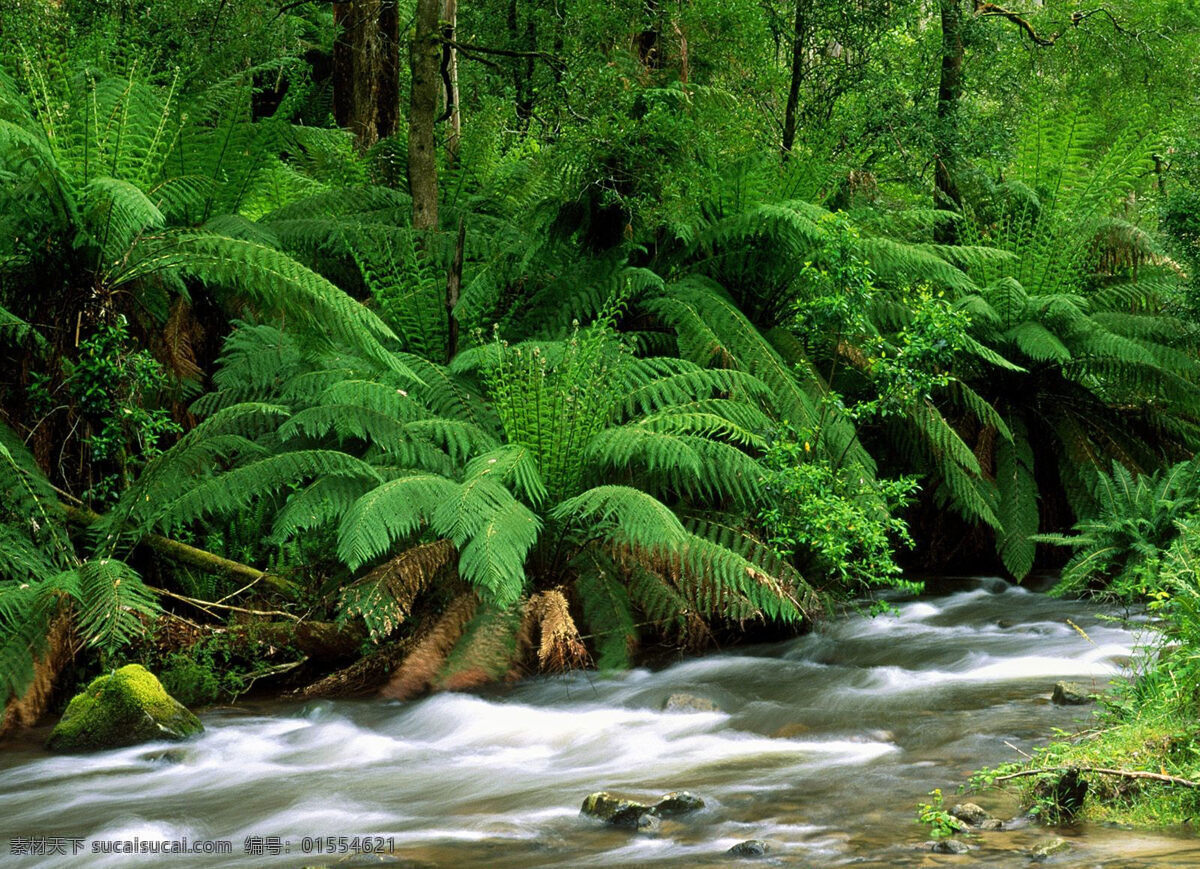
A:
677, 803
621, 812
1049, 848
994, 825
944, 846
689, 703
648, 822
970, 813
614, 810
1070, 694
750, 849
126, 707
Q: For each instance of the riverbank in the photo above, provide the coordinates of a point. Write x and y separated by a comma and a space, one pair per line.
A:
822, 746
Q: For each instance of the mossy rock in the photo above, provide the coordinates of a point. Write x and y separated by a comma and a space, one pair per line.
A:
614, 810
127, 707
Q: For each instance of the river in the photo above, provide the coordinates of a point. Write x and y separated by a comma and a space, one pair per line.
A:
822, 746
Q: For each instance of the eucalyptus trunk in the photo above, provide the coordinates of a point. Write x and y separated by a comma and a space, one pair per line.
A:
366, 69
950, 85
425, 54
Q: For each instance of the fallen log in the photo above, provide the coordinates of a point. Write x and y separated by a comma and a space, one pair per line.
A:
194, 556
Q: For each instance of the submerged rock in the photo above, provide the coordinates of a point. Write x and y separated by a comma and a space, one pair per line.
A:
749, 849
677, 803
614, 810
970, 813
992, 825
689, 703
1049, 848
1070, 694
620, 812
126, 707
944, 846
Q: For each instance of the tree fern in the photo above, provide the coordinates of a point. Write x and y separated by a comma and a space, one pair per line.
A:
523, 459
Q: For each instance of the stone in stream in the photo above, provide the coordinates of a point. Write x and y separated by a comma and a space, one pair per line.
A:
1070, 694
677, 803
994, 825
944, 846
1043, 851
613, 810
689, 703
970, 813
126, 707
749, 849
639, 816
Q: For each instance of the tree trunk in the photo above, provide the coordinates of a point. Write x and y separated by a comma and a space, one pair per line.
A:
523, 67
946, 161
450, 60
366, 69
799, 71
425, 54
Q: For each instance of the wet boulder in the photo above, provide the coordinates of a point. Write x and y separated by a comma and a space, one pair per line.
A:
689, 703
1070, 694
1044, 850
613, 810
944, 846
750, 849
677, 803
971, 814
992, 825
620, 812
126, 707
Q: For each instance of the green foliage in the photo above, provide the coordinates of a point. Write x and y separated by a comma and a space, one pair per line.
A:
42, 579
934, 815
211, 669
111, 385
1119, 550
832, 521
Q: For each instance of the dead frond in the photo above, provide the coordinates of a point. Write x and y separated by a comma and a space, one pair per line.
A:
419, 670
561, 647
384, 597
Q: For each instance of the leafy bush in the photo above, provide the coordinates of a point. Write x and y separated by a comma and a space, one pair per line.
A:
832, 522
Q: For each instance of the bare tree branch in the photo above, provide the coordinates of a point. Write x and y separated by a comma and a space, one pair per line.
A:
1118, 773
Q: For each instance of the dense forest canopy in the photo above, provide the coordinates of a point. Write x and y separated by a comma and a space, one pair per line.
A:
435, 343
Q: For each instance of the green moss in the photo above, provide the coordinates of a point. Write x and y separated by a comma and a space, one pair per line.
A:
127, 707
1167, 743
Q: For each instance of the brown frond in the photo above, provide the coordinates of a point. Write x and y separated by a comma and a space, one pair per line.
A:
488, 651
385, 595
419, 670
561, 648
24, 711
985, 450
181, 334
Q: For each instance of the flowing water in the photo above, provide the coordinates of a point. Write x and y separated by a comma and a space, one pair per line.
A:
823, 746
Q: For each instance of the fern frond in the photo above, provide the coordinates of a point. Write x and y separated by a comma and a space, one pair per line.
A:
112, 602
383, 598
560, 648
606, 609
1018, 492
